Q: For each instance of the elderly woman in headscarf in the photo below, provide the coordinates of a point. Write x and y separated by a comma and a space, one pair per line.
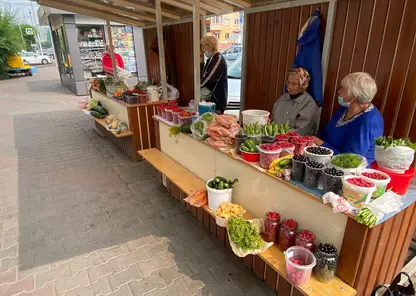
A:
296, 106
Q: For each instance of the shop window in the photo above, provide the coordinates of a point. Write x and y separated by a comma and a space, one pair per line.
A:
123, 42
64, 59
91, 42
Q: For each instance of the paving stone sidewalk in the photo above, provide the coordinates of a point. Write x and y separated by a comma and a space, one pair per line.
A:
77, 217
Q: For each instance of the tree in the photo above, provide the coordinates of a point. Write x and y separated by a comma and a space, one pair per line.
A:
29, 39
10, 39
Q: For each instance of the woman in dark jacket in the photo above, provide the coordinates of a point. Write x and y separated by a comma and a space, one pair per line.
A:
214, 84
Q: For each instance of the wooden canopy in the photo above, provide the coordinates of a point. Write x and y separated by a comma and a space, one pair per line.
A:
141, 13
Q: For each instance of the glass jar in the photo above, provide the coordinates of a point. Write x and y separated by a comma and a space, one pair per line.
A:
306, 239
326, 262
287, 234
271, 227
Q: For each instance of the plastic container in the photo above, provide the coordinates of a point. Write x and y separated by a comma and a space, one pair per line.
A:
222, 222
271, 229
239, 139
351, 171
267, 140
306, 239
298, 170
159, 110
399, 182
281, 139
169, 114
216, 197
175, 116
357, 196
380, 184
332, 183
299, 274
287, 148
312, 175
292, 135
142, 98
325, 159
299, 146
185, 119
253, 115
287, 234
164, 113
204, 107
255, 138
326, 263
250, 156
173, 102
267, 156
309, 140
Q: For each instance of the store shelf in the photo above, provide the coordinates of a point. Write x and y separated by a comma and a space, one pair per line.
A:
91, 48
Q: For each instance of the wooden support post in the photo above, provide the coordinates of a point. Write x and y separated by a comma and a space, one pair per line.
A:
110, 41
161, 46
203, 25
197, 50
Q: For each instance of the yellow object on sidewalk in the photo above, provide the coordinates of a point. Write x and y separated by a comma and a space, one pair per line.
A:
16, 62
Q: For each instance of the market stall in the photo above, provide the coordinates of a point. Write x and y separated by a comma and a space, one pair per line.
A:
138, 134
259, 191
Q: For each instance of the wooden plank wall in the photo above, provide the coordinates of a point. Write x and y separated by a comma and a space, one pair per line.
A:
271, 49
179, 62
375, 36
378, 37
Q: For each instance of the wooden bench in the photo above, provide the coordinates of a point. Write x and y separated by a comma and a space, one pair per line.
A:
269, 265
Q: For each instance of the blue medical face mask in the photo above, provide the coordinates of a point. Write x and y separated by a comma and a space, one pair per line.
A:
342, 102
207, 54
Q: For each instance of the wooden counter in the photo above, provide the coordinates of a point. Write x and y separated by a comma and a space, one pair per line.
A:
367, 257
139, 120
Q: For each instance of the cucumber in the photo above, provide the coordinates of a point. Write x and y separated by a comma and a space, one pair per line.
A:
96, 114
99, 109
186, 128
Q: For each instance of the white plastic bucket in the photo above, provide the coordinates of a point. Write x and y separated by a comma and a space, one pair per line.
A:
325, 159
253, 115
380, 184
357, 196
299, 274
216, 197
153, 93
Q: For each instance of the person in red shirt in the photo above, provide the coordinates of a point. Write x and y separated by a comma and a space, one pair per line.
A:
106, 60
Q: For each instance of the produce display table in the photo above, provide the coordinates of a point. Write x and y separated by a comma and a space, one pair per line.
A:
367, 257
139, 120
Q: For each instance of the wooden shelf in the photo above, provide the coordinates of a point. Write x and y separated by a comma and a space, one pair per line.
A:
121, 135
129, 105
189, 183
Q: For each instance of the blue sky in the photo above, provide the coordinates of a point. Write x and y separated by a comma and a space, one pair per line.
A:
23, 7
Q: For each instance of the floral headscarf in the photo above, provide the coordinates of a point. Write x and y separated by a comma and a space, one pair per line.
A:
303, 76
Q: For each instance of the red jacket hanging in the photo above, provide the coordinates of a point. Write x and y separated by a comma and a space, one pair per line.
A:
108, 64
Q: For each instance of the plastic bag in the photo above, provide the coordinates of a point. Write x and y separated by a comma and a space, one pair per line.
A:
385, 204
396, 159
197, 199
173, 93
242, 253
339, 204
122, 127
199, 129
354, 171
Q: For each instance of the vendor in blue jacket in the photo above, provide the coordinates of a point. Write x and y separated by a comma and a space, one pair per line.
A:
357, 123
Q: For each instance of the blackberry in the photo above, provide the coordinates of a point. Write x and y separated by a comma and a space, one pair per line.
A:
300, 158
334, 172
318, 150
314, 164
327, 248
